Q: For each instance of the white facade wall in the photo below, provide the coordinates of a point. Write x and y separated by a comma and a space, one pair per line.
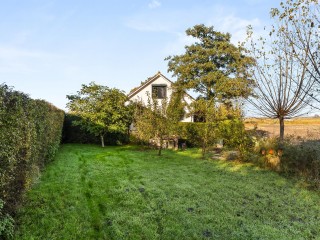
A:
142, 94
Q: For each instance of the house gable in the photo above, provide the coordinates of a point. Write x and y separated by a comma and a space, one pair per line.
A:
141, 93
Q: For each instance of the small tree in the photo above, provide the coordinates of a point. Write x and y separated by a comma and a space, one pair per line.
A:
205, 110
158, 119
283, 82
101, 110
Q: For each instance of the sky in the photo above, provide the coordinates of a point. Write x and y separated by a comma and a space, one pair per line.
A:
49, 48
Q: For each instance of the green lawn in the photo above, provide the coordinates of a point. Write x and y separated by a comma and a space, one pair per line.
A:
126, 193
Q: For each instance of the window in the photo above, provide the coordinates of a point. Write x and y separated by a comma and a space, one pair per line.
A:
159, 91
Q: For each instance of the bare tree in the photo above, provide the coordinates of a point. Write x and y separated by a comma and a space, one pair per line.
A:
299, 23
283, 82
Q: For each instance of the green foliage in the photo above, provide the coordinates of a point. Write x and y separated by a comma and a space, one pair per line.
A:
128, 192
231, 131
302, 159
75, 134
234, 135
212, 66
191, 133
176, 106
101, 110
291, 157
152, 121
6, 224
30, 135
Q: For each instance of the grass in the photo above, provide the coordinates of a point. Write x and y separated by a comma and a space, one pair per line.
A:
126, 193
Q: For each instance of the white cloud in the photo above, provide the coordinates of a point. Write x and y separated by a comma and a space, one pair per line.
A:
236, 26
154, 4
21, 60
177, 46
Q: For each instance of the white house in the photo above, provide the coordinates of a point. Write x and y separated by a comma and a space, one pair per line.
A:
161, 87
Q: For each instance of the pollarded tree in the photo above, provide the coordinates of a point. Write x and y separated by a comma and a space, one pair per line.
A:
299, 24
212, 66
283, 82
101, 110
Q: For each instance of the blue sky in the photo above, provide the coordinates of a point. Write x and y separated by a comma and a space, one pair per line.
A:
49, 48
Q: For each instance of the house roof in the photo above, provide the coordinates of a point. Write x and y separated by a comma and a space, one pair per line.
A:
150, 80
144, 84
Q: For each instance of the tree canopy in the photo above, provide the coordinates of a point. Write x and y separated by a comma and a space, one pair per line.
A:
212, 66
101, 109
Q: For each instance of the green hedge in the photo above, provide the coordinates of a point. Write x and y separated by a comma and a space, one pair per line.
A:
30, 134
75, 134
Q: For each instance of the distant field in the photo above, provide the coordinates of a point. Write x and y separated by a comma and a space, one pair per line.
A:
308, 128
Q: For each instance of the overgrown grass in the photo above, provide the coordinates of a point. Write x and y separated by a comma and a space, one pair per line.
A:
126, 193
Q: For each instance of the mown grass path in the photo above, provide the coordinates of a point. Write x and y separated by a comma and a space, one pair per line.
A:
124, 193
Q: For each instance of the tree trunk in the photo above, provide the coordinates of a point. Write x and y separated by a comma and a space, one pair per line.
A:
160, 147
102, 140
281, 120
204, 147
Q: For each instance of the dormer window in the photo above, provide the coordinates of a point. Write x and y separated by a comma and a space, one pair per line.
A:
159, 91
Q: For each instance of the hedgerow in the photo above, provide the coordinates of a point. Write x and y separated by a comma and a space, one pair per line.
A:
75, 134
30, 134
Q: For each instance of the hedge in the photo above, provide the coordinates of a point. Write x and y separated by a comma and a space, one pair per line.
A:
75, 134
30, 134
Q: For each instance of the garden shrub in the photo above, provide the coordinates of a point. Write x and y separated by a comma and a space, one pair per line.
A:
231, 131
30, 135
303, 160
191, 133
292, 157
235, 136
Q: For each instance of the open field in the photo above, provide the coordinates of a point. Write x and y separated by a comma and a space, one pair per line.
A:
129, 193
307, 128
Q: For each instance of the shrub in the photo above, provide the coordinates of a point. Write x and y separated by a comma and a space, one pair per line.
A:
234, 135
191, 132
303, 160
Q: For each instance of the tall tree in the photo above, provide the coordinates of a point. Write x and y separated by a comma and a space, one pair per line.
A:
283, 82
299, 24
101, 110
212, 66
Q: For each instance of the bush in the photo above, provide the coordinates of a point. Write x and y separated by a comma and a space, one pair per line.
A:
29, 138
234, 135
302, 160
191, 133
